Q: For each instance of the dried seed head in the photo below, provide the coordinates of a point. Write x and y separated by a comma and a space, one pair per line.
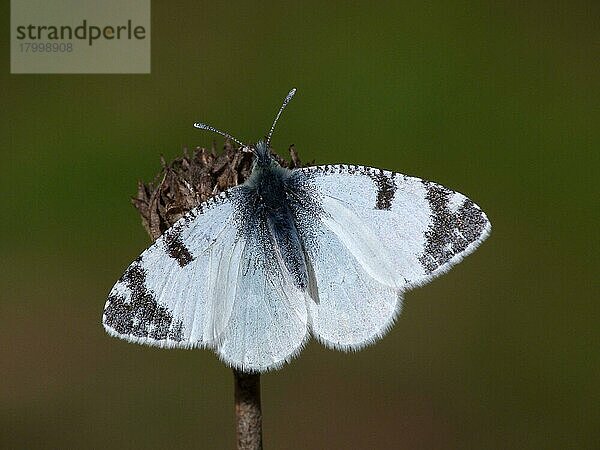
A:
188, 181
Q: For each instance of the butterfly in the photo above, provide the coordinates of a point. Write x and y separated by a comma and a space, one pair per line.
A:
324, 251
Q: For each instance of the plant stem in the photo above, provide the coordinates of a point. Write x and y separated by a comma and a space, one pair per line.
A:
248, 414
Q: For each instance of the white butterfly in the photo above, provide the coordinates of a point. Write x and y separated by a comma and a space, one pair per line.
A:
326, 251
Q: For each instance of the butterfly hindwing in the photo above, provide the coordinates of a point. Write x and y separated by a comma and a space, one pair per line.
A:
268, 323
351, 304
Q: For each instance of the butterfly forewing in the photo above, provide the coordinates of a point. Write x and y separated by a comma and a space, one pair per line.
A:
164, 298
422, 226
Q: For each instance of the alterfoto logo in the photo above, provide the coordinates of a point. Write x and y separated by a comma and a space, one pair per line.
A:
80, 36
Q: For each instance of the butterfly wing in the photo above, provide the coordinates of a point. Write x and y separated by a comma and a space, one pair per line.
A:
208, 281
380, 234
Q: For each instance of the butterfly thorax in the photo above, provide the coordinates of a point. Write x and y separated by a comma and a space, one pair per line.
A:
267, 178
272, 216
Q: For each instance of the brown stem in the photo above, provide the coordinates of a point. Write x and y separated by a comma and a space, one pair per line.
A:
248, 414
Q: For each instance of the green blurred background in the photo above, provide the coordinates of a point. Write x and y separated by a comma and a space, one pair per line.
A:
499, 100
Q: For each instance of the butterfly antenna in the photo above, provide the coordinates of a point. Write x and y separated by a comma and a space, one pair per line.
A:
285, 102
203, 126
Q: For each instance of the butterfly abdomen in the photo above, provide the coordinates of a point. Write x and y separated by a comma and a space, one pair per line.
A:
287, 246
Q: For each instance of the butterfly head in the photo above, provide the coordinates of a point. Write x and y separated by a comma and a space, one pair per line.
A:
262, 155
